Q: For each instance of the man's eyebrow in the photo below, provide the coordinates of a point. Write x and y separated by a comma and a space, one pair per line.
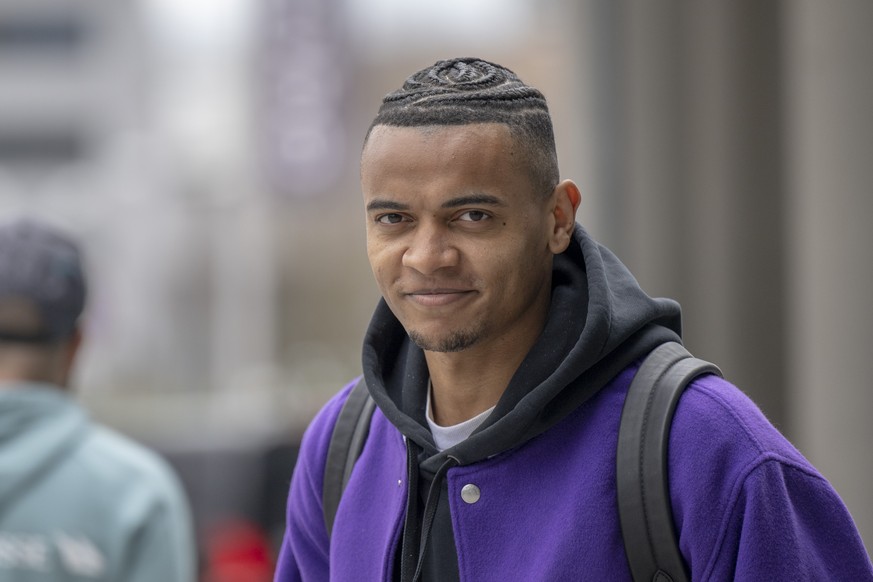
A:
487, 199
381, 204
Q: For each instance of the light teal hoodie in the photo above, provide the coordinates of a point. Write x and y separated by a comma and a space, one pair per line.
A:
80, 502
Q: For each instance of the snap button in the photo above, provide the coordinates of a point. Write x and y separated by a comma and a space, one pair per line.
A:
470, 493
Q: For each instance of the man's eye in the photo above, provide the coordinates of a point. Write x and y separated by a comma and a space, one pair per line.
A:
392, 218
473, 216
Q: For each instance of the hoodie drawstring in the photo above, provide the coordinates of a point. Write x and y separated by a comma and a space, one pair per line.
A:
410, 526
410, 532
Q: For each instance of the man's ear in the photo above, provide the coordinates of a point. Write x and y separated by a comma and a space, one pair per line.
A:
565, 199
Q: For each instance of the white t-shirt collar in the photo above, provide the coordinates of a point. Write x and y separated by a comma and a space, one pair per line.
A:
445, 437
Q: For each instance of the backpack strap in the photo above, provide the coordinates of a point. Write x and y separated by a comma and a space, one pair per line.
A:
346, 443
644, 505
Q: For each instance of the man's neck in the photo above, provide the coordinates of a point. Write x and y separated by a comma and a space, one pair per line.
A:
26, 363
469, 382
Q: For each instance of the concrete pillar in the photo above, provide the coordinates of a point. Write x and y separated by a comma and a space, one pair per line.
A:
733, 205
830, 170
692, 193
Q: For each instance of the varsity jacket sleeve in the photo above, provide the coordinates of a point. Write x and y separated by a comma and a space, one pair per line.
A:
305, 550
747, 504
787, 523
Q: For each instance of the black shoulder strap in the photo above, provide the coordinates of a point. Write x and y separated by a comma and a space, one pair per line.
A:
346, 443
641, 462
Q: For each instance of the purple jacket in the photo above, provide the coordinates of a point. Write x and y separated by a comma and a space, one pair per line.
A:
747, 505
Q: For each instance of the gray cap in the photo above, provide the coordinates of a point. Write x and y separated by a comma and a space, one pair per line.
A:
41, 266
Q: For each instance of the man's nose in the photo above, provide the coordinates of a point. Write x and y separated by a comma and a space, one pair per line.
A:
430, 249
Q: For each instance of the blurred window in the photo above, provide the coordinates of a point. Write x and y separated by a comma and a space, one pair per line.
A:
49, 34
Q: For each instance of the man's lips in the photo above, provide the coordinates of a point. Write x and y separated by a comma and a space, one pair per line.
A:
438, 297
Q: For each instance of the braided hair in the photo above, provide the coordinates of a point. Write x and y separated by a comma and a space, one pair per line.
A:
463, 91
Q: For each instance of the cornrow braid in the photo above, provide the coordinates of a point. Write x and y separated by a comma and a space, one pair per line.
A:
463, 91
461, 81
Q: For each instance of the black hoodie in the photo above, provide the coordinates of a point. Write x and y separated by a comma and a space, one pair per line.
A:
600, 321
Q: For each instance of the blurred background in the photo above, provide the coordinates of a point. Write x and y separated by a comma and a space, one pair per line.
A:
205, 152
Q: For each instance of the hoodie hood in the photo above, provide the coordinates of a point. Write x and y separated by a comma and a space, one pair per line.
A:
600, 321
39, 424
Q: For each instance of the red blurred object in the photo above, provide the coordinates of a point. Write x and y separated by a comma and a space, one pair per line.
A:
237, 551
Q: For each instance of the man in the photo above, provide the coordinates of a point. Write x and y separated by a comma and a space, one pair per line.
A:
77, 501
499, 359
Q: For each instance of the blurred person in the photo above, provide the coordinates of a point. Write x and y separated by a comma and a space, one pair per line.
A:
499, 359
77, 501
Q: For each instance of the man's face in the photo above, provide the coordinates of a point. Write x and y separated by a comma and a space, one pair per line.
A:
457, 238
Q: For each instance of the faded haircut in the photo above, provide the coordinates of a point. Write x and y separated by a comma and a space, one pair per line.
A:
463, 91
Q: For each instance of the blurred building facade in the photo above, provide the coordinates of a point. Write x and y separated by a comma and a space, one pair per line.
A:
206, 152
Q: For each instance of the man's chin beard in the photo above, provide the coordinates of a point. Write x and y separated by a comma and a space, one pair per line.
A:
456, 341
